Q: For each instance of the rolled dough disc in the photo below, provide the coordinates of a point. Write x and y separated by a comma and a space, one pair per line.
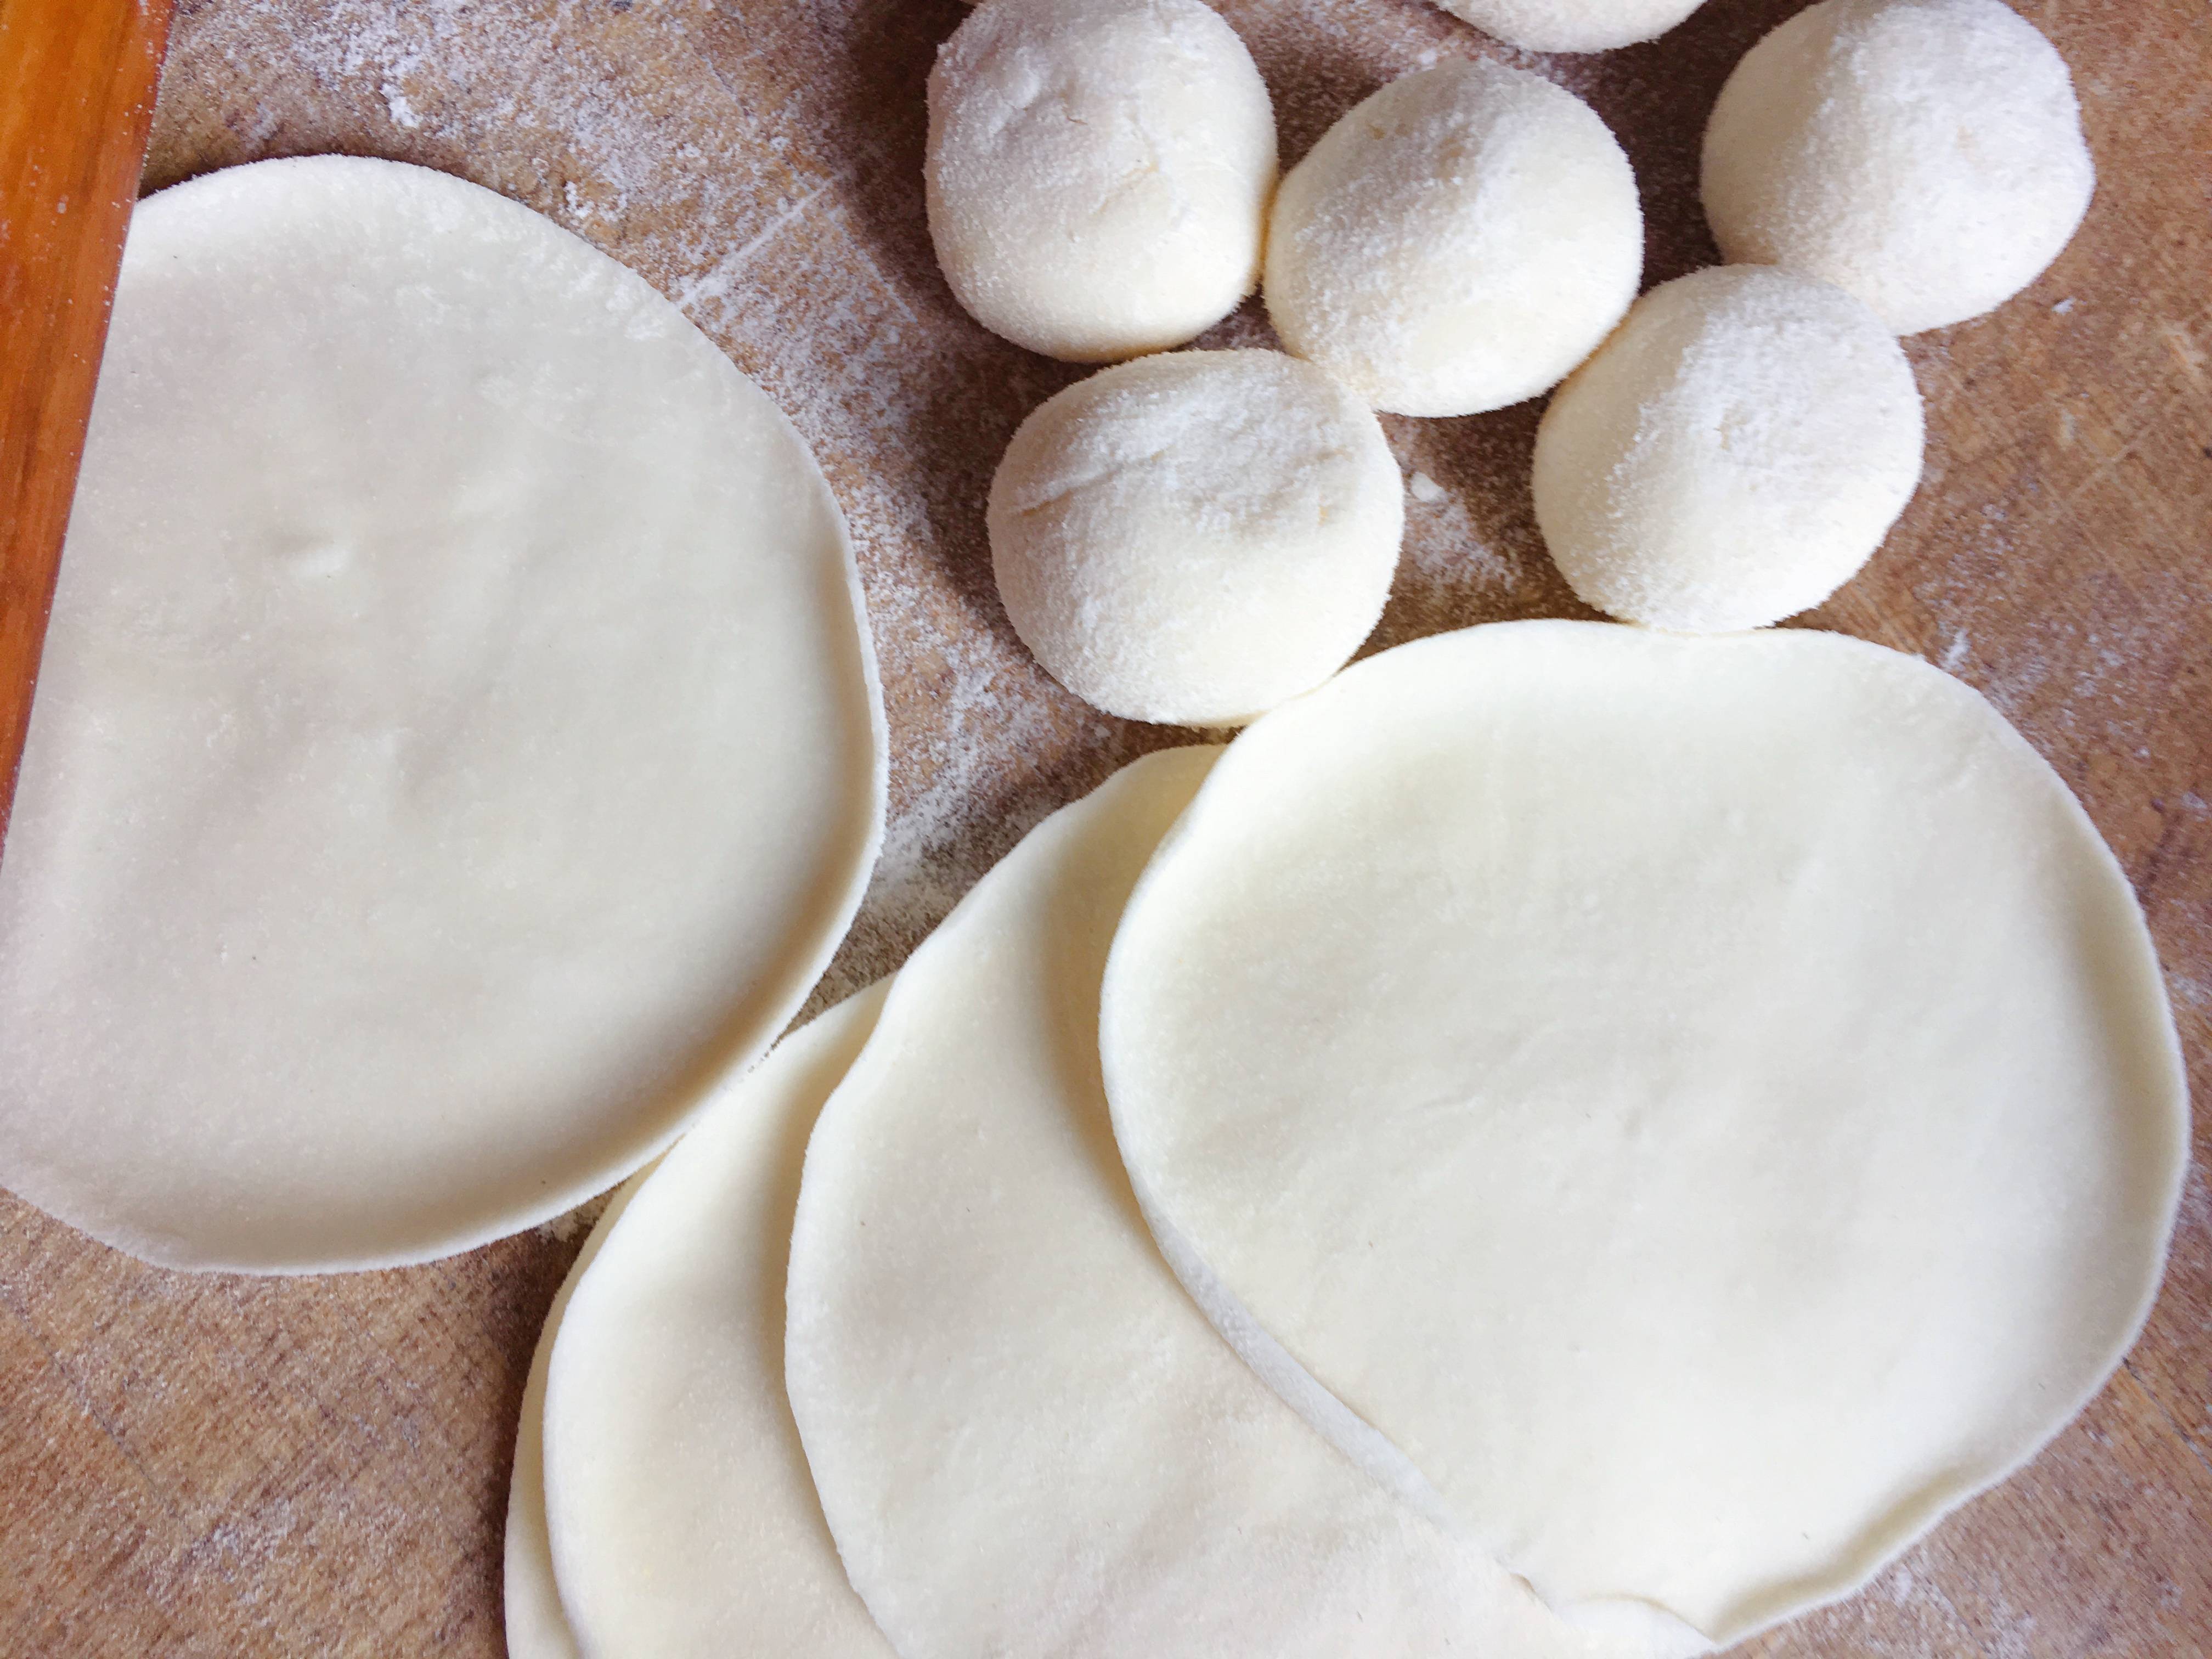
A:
1025, 1438
458, 738
678, 1503
1711, 1103
536, 1626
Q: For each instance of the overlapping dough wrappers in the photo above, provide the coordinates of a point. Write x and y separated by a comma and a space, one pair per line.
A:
671, 1502
1026, 1439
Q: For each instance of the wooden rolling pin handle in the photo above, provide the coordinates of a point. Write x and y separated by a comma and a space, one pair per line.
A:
77, 79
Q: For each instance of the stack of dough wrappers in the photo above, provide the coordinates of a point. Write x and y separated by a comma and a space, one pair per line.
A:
1566, 1140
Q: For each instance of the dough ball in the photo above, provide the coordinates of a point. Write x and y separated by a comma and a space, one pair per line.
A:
1573, 25
1098, 173
1732, 455
1926, 154
1457, 242
1197, 537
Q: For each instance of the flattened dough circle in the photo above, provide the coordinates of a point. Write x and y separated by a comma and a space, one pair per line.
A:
1025, 1438
1711, 1103
458, 736
677, 1502
536, 1626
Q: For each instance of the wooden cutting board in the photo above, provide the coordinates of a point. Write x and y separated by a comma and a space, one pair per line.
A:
232, 1466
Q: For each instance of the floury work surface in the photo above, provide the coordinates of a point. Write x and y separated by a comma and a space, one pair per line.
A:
232, 1466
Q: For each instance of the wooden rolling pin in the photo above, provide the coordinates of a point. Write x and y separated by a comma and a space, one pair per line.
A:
77, 79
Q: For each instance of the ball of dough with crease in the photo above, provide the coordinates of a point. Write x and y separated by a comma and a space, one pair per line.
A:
1732, 455
1926, 154
1195, 537
1573, 25
1098, 173
1457, 242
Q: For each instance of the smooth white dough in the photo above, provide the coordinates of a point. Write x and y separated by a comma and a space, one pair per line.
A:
1457, 242
1732, 455
1195, 537
1573, 25
536, 1625
458, 734
1026, 1438
677, 1495
1926, 154
1711, 1103
1099, 172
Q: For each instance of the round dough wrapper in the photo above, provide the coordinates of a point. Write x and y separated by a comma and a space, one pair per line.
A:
537, 1626
458, 735
1025, 1438
679, 1504
1926, 154
1732, 455
1457, 242
1573, 25
1711, 1103
1098, 173
1197, 537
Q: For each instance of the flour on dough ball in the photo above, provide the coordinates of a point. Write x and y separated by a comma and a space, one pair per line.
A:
1194, 538
1098, 173
1926, 154
1572, 24
1732, 456
1457, 242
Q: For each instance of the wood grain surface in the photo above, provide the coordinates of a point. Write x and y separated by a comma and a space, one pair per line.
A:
77, 96
212, 1466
